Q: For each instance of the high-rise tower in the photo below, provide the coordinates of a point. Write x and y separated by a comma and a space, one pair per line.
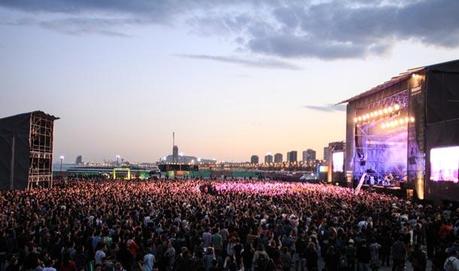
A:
174, 149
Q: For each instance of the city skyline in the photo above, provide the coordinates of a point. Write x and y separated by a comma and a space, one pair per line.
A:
231, 79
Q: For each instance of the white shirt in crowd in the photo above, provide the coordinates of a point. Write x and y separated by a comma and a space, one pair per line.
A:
148, 262
99, 258
451, 264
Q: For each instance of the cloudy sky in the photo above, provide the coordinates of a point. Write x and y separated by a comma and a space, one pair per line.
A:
231, 78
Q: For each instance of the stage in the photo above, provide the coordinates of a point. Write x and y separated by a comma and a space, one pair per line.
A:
406, 131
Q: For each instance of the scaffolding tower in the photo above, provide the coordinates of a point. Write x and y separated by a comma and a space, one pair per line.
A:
41, 151
26, 151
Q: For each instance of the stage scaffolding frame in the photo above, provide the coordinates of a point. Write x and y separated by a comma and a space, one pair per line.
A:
41, 151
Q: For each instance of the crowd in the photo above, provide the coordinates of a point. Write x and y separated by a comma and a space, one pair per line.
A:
241, 225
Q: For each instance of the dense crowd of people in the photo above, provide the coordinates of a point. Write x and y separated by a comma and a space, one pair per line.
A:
221, 225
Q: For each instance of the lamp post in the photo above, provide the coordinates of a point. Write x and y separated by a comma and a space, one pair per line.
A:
62, 160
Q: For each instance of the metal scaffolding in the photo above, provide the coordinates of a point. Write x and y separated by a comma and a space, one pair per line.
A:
41, 150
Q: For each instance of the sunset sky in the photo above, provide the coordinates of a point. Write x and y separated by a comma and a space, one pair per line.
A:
231, 78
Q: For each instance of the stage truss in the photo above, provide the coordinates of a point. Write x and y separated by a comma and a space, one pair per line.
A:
41, 151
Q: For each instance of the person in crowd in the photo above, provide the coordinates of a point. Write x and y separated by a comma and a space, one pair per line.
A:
350, 253
452, 262
374, 255
184, 261
209, 259
247, 256
418, 259
100, 255
149, 260
285, 259
363, 256
261, 260
169, 256
398, 255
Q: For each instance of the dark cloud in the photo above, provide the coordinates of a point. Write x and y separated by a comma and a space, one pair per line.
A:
254, 62
327, 108
290, 29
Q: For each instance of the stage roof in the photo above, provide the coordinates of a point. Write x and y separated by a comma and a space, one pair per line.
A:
395, 80
38, 112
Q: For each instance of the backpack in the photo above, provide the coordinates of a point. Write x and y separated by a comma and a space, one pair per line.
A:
449, 265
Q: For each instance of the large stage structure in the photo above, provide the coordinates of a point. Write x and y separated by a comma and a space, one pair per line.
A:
405, 132
26, 150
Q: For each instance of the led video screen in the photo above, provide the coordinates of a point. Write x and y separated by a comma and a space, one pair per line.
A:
444, 164
338, 161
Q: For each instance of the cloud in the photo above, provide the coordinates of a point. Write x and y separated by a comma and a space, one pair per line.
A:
78, 26
255, 62
332, 29
327, 107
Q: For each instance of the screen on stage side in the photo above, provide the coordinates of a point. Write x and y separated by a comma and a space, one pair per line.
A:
444, 164
338, 161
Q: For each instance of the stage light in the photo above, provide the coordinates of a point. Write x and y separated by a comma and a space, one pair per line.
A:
412, 119
356, 120
396, 107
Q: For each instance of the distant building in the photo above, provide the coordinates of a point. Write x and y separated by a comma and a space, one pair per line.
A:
175, 150
254, 159
79, 160
326, 151
175, 154
206, 161
187, 159
292, 156
278, 158
309, 155
268, 158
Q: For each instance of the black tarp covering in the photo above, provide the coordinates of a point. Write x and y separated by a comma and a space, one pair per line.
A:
18, 127
442, 122
442, 96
